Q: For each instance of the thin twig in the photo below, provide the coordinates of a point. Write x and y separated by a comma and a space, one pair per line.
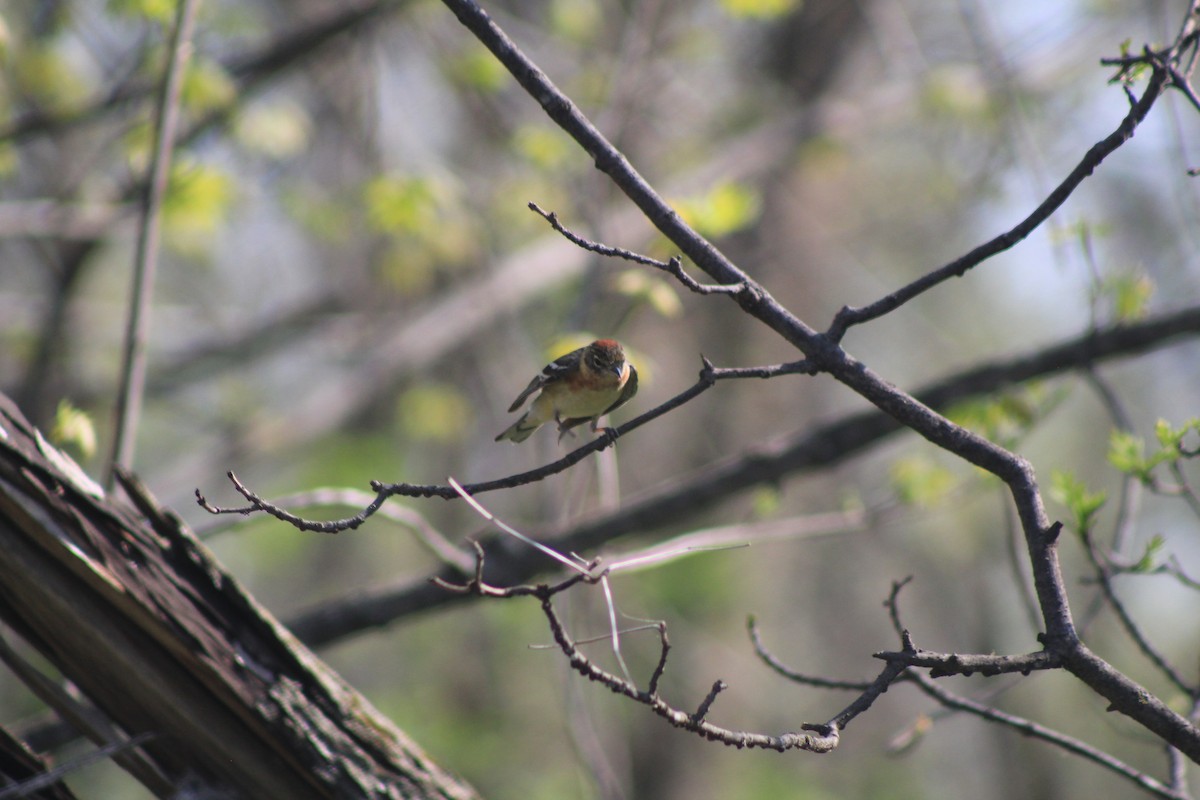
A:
661, 666
848, 317
1036, 731
772, 661
892, 605
385, 490
822, 741
674, 266
1130, 496
145, 265
709, 376
800, 452
942, 664
425, 533
1132, 629
511, 531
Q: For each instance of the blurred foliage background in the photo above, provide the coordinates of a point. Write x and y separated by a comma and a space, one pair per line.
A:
352, 288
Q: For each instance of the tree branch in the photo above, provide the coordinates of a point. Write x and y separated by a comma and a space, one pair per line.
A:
813, 448
941, 665
849, 317
1042, 733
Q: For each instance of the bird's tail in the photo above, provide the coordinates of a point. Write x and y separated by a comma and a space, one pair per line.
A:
519, 431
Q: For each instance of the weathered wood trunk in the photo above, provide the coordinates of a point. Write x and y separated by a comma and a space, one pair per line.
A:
125, 602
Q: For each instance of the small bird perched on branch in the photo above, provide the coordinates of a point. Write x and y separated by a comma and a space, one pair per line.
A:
580, 387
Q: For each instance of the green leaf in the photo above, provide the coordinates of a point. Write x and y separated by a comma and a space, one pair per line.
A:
1071, 492
759, 9
43, 74
1007, 416
198, 198
765, 500
1147, 562
727, 208
435, 412
650, 289
576, 20
1130, 295
153, 10
73, 427
278, 130
400, 204
1171, 439
1126, 453
542, 146
920, 482
207, 87
478, 69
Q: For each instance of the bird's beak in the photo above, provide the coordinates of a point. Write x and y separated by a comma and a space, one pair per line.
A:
617, 368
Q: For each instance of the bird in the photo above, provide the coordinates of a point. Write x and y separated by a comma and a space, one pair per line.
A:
580, 387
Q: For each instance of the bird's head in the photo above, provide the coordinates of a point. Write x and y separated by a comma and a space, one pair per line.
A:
606, 355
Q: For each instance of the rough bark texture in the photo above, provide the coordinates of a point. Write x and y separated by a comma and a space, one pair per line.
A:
138, 615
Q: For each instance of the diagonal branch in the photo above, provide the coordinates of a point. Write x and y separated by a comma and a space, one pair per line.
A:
672, 267
848, 316
1036, 731
1164, 73
1132, 628
942, 664
808, 450
709, 375
707, 379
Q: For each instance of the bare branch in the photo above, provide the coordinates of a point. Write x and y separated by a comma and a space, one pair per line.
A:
1131, 627
133, 360
813, 448
661, 666
942, 664
260, 504
1036, 731
673, 267
807, 450
772, 661
1159, 79
823, 741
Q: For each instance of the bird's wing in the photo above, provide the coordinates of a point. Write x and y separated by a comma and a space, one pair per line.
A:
627, 393
549, 374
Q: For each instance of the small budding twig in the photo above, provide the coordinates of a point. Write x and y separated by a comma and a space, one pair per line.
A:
818, 737
673, 267
661, 667
717, 687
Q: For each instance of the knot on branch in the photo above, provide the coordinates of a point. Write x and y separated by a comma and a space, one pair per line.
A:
749, 294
